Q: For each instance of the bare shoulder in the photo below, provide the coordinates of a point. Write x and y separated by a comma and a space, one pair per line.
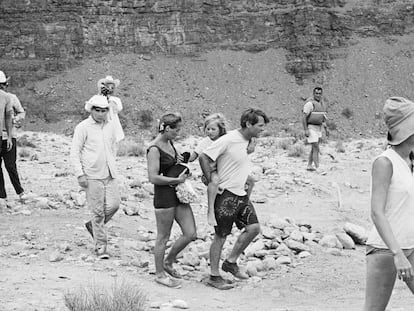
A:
382, 166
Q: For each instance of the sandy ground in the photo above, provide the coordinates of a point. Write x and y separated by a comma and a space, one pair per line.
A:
29, 281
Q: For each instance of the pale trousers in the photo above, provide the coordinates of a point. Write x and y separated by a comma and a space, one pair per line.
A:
103, 199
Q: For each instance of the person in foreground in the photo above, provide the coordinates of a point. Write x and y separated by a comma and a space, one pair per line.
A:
390, 244
93, 159
232, 203
162, 158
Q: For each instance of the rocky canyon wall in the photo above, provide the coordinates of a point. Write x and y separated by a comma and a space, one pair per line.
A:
40, 37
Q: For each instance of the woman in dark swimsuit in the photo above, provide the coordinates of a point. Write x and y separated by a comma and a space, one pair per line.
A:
161, 156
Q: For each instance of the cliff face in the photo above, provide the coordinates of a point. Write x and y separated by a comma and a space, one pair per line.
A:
39, 37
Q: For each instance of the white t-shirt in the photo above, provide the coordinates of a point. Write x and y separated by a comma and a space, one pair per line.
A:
203, 145
233, 164
399, 208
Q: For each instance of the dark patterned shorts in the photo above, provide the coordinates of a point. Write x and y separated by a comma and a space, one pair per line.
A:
229, 209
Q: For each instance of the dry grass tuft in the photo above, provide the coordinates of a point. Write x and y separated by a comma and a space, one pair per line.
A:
296, 150
339, 147
24, 141
284, 142
131, 148
120, 297
24, 153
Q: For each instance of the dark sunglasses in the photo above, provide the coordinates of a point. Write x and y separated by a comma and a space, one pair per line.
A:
97, 109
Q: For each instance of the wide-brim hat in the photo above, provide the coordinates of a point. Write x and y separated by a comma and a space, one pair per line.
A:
399, 118
108, 79
3, 78
99, 101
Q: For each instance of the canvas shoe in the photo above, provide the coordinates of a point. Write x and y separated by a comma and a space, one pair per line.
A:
234, 269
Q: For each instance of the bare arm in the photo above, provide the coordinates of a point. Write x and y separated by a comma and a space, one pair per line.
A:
381, 178
193, 156
205, 164
305, 121
154, 177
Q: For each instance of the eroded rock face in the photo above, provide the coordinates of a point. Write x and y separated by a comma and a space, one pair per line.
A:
46, 36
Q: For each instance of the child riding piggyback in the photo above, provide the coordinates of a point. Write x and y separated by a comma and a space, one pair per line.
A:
215, 126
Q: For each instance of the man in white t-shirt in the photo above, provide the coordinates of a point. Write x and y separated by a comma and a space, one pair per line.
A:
232, 203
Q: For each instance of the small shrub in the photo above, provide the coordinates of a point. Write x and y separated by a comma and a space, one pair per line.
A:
24, 153
23, 141
339, 147
121, 297
130, 148
347, 113
296, 150
331, 125
146, 119
284, 143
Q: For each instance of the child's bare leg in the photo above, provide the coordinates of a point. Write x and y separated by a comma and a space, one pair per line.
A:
212, 189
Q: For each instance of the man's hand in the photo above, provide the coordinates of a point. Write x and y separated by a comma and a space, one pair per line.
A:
307, 133
82, 181
9, 144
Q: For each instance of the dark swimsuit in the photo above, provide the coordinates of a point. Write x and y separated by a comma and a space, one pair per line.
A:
165, 195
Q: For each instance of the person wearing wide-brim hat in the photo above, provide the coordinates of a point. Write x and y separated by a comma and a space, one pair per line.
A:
9, 155
93, 160
106, 87
390, 243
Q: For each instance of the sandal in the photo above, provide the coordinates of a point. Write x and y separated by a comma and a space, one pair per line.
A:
169, 282
219, 283
171, 271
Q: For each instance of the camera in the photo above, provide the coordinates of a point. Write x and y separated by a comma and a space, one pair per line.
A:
104, 91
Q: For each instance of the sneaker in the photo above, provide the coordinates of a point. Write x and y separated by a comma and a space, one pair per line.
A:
23, 197
102, 253
88, 226
234, 269
218, 282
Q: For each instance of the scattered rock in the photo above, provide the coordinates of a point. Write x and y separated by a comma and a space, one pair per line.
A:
357, 233
55, 256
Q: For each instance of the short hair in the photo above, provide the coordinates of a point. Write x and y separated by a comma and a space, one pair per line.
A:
219, 119
169, 119
318, 88
252, 115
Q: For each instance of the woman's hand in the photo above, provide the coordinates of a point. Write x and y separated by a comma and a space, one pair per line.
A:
403, 266
182, 177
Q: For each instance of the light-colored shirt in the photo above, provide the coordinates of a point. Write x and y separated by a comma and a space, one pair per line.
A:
18, 115
203, 145
399, 207
5, 106
233, 163
115, 106
93, 149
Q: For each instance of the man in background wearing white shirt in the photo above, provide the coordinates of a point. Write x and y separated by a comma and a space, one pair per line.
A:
93, 159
